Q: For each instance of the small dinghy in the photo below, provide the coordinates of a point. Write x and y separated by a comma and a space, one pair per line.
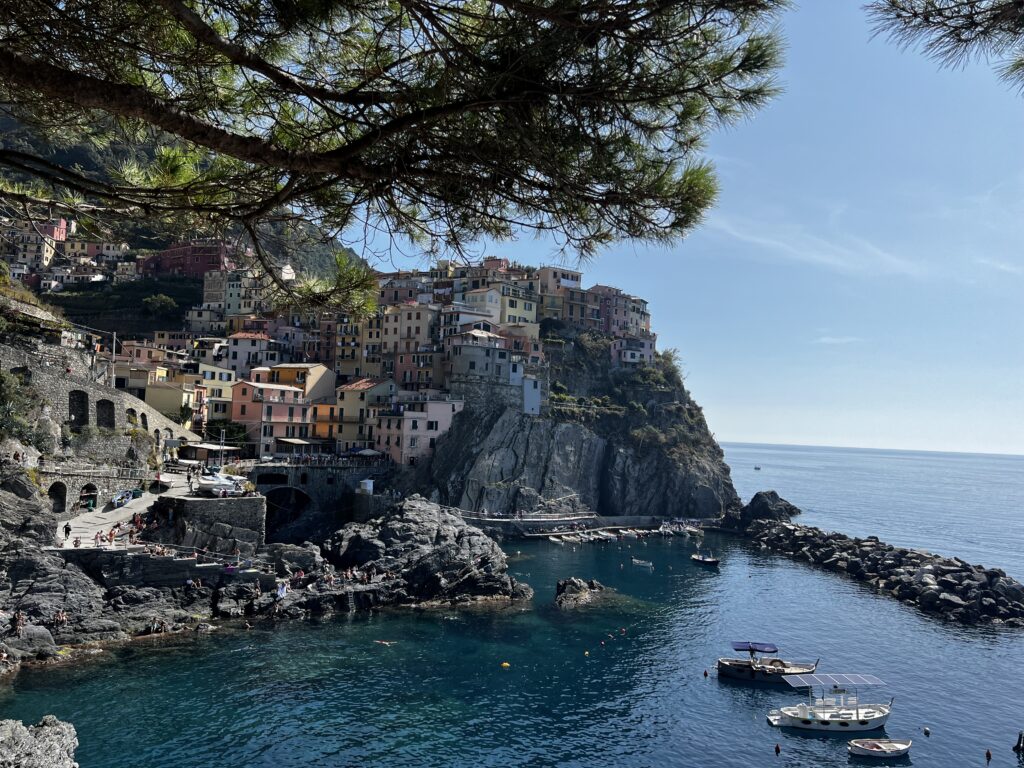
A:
555, 540
879, 747
709, 559
642, 563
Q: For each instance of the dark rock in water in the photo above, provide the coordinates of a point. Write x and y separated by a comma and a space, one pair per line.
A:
766, 505
426, 553
947, 587
50, 744
573, 592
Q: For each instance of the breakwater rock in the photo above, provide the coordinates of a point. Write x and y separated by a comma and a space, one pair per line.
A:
765, 505
49, 744
945, 586
573, 592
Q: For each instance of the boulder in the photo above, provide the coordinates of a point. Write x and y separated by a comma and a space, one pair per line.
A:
573, 592
765, 505
49, 744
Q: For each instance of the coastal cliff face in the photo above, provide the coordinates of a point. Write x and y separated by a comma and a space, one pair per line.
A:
506, 462
618, 442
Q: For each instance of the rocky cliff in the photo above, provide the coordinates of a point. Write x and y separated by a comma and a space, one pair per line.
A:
617, 442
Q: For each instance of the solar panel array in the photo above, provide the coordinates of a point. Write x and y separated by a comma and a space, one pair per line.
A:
759, 647
831, 681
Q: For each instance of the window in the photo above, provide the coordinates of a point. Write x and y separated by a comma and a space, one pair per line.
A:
415, 424
472, 365
412, 442
242, 411
431, 426
269, 412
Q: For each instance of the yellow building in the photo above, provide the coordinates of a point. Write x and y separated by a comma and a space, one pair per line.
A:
358, 402
175, 400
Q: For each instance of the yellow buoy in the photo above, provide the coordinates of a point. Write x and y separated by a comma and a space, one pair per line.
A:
505, 665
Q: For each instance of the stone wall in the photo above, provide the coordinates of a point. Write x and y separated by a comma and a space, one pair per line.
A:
117, 568
220, 525
78, 394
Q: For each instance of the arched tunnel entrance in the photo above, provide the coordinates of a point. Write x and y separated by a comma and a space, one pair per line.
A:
290, 515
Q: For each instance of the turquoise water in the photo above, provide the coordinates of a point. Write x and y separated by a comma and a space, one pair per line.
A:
328, 695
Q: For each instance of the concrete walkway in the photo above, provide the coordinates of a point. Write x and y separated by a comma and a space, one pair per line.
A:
86, 524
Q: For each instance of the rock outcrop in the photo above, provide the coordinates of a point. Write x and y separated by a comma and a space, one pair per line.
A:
506, 462
49, 744
766, 505
574, 593
947, 587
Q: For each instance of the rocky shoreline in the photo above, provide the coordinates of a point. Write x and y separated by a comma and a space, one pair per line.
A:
417, 554
945, 587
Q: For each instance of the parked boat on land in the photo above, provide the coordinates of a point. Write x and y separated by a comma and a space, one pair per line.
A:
761, 665
216, 483
642, 563
121, 498
834, 705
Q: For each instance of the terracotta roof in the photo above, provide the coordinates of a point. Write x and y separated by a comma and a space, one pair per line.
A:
249, 335
360, 384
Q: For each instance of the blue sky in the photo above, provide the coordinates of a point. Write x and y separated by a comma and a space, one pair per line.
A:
861, 280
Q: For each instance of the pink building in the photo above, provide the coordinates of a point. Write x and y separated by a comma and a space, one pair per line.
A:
276, 416
408, 429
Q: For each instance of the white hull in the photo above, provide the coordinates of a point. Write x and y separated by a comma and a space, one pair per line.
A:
880, 748
867, 717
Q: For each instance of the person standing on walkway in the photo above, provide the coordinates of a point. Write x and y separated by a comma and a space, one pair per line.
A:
98, 538
67, 531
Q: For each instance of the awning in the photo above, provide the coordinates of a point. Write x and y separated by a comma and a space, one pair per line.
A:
759, 647
212, 447
293, 441
831, 681
368, 452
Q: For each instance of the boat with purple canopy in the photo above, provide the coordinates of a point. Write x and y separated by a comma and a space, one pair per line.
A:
761, 665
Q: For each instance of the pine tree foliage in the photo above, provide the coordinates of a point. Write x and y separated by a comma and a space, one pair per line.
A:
436, 122
957, 31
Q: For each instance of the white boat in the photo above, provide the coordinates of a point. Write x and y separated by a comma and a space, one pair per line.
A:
571, 538
630, 534
833, 706
642, 563
882, 748
555, 540
762, 665
215, 483
693, 530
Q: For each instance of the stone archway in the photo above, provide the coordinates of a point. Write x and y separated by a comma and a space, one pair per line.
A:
88, 497
105, 418
58, 495
78, 408
144, 421
286, 505
131, 416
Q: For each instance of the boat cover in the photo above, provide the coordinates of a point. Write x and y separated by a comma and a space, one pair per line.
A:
759, 647
831, 681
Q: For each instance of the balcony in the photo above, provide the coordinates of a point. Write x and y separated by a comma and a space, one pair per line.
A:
258, 398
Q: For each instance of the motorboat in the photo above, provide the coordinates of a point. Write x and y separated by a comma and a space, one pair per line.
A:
833, 704
880, 748
555, 540
630, 534
709, 559
215, 483
571, 538
761, 665
642, 563
693, 530
757, 468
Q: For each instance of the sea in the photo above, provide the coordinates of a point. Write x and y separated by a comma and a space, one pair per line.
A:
630, 682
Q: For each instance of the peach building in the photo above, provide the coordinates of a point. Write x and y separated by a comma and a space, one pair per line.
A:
408, 429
